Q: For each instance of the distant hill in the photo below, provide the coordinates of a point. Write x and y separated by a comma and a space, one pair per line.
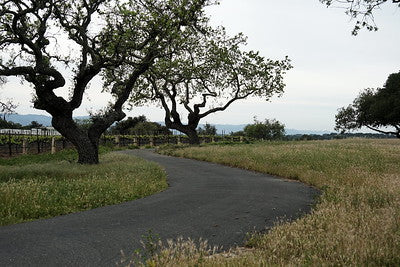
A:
221, 128
28, 118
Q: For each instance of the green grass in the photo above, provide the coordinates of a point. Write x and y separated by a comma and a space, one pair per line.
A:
355, 223
43, 186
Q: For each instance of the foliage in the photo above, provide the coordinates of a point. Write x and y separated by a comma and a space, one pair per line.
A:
13, 125
207, 130
238, 133
138, 126
31, 188
18, 139
122, 127
374, 108
362, 11
332, 136
207, 73
9, 125
355, 223
267, 130
33, 125
149, 128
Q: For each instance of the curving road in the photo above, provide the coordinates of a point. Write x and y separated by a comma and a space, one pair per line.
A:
205, 200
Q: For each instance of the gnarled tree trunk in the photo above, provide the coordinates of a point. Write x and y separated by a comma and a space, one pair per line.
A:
193, 136
88, 149
189, 130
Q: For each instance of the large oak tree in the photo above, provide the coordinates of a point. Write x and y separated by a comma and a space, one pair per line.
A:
206, 73
50, 42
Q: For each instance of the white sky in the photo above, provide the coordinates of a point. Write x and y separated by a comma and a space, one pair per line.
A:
330, 65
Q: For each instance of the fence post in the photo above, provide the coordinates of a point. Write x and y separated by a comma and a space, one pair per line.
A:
53, 145
24, 146
9, 144
117, 140
151, 141
37, 141
241, 139
179, 140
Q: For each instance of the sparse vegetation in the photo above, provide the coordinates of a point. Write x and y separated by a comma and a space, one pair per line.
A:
357, 219
43, 186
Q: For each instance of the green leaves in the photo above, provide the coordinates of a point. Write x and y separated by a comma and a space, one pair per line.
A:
374, 108
267, 130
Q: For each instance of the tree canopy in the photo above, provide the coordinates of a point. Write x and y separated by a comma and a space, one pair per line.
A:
9, 125
267, 130
44, 41
374, 108
139, 126
206, 73
362, 11
208, 129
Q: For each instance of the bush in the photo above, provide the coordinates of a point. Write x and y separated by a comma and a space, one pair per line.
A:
267, 130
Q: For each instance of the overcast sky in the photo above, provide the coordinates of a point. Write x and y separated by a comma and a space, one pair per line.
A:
330, 65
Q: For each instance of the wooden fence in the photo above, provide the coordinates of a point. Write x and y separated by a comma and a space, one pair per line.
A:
12, 144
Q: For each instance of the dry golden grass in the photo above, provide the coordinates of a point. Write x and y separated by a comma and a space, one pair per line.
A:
356, 222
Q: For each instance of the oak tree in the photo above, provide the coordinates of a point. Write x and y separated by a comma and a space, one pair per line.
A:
266, 130
206, 73
50, 42
374, 109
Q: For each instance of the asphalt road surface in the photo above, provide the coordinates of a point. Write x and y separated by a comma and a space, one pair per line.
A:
218, 203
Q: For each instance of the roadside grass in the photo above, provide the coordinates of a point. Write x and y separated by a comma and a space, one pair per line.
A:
356, 221
43, 186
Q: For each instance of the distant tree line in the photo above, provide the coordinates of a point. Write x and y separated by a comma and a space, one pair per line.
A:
4, 124
331, 136
138, 126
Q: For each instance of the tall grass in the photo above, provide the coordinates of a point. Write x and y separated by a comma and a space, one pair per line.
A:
33, 188
356, 222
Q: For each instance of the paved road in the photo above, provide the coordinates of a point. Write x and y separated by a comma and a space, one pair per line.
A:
205, 200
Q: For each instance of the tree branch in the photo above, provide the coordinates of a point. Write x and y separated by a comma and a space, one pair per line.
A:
213, 110
384, 132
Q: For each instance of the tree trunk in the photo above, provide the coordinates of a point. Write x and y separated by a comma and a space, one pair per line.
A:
189, 130
88, 149
88, 153
193, 137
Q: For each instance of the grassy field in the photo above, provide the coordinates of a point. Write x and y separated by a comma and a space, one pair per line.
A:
42, 186
356, 221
